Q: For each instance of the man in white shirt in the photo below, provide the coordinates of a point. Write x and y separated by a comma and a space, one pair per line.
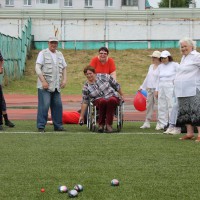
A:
51, 70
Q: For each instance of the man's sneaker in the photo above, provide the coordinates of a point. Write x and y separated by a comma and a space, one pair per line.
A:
170, 129
175, 131
145, 125
159, 127
59, 129
1, 128
41, 130
9, 124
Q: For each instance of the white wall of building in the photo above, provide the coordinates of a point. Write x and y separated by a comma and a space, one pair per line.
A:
77, 4
11, 27
105, 30
116, 30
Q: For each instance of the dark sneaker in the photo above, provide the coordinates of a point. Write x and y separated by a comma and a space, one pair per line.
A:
1, 128
41, 130
9, 124
59, 129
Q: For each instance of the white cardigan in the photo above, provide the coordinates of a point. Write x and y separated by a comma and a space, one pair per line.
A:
187, 79
151, 78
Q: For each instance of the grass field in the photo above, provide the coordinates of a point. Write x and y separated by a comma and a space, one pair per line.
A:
148, 164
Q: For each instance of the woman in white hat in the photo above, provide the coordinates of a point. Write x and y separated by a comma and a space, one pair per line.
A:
165, 88
149, 84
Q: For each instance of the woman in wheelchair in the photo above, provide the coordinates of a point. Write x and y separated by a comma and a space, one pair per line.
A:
105, 93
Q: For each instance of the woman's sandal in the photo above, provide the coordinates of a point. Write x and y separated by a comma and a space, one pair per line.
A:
198, 139
101, 129
109, 129
187, 137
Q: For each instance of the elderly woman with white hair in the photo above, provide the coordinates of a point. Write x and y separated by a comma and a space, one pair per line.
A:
187, 89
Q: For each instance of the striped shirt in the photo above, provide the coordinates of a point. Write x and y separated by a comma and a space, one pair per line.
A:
105, 86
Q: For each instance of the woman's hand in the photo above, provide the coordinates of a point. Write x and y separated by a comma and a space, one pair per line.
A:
122, 98
156, 94
81, 120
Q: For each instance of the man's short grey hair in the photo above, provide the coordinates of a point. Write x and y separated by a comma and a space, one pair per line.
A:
189, 41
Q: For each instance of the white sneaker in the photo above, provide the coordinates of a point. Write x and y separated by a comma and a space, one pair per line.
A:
170, 129
175, 131
145, 125
159, 127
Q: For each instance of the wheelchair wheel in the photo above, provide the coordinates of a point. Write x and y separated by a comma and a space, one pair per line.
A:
119, 127
120, 116
93, 128
91, 117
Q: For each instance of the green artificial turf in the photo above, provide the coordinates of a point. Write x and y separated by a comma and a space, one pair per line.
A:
147, 163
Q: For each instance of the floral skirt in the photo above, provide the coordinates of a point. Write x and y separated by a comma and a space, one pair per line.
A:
189, 110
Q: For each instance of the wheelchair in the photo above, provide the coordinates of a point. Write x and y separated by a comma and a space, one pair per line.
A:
92, 117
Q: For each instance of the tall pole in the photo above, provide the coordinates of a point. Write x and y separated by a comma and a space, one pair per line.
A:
170, 3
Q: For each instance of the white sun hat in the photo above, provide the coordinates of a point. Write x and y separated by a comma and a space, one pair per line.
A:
165, 54
155, 54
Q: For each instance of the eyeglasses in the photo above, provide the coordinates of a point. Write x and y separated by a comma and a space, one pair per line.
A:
103, 53
164, 58
88, 74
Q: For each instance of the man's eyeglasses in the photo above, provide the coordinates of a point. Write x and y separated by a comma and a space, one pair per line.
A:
103, 53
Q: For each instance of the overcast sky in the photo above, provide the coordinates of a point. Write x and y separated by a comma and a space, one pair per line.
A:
154, 3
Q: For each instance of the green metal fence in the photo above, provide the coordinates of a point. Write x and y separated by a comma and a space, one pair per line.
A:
14, 51
117, 45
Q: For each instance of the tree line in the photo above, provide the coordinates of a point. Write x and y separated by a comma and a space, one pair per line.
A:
174, 3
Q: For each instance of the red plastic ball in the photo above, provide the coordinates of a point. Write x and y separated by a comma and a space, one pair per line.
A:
42, 190
139, 101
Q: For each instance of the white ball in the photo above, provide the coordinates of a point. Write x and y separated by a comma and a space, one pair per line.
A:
78, 188
73, 193
63, 189
114, 182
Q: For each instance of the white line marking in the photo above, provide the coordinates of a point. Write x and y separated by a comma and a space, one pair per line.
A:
83, 133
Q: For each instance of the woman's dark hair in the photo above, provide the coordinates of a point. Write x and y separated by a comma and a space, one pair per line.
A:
169, 57
92, 69
104, 49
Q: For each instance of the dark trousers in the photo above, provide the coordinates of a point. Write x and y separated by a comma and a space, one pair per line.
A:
1, 99
106, 109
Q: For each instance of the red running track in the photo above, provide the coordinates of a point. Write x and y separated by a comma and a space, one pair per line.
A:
24, 107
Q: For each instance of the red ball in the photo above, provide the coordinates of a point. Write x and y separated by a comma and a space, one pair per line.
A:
70, 117
42, 190
139, 101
